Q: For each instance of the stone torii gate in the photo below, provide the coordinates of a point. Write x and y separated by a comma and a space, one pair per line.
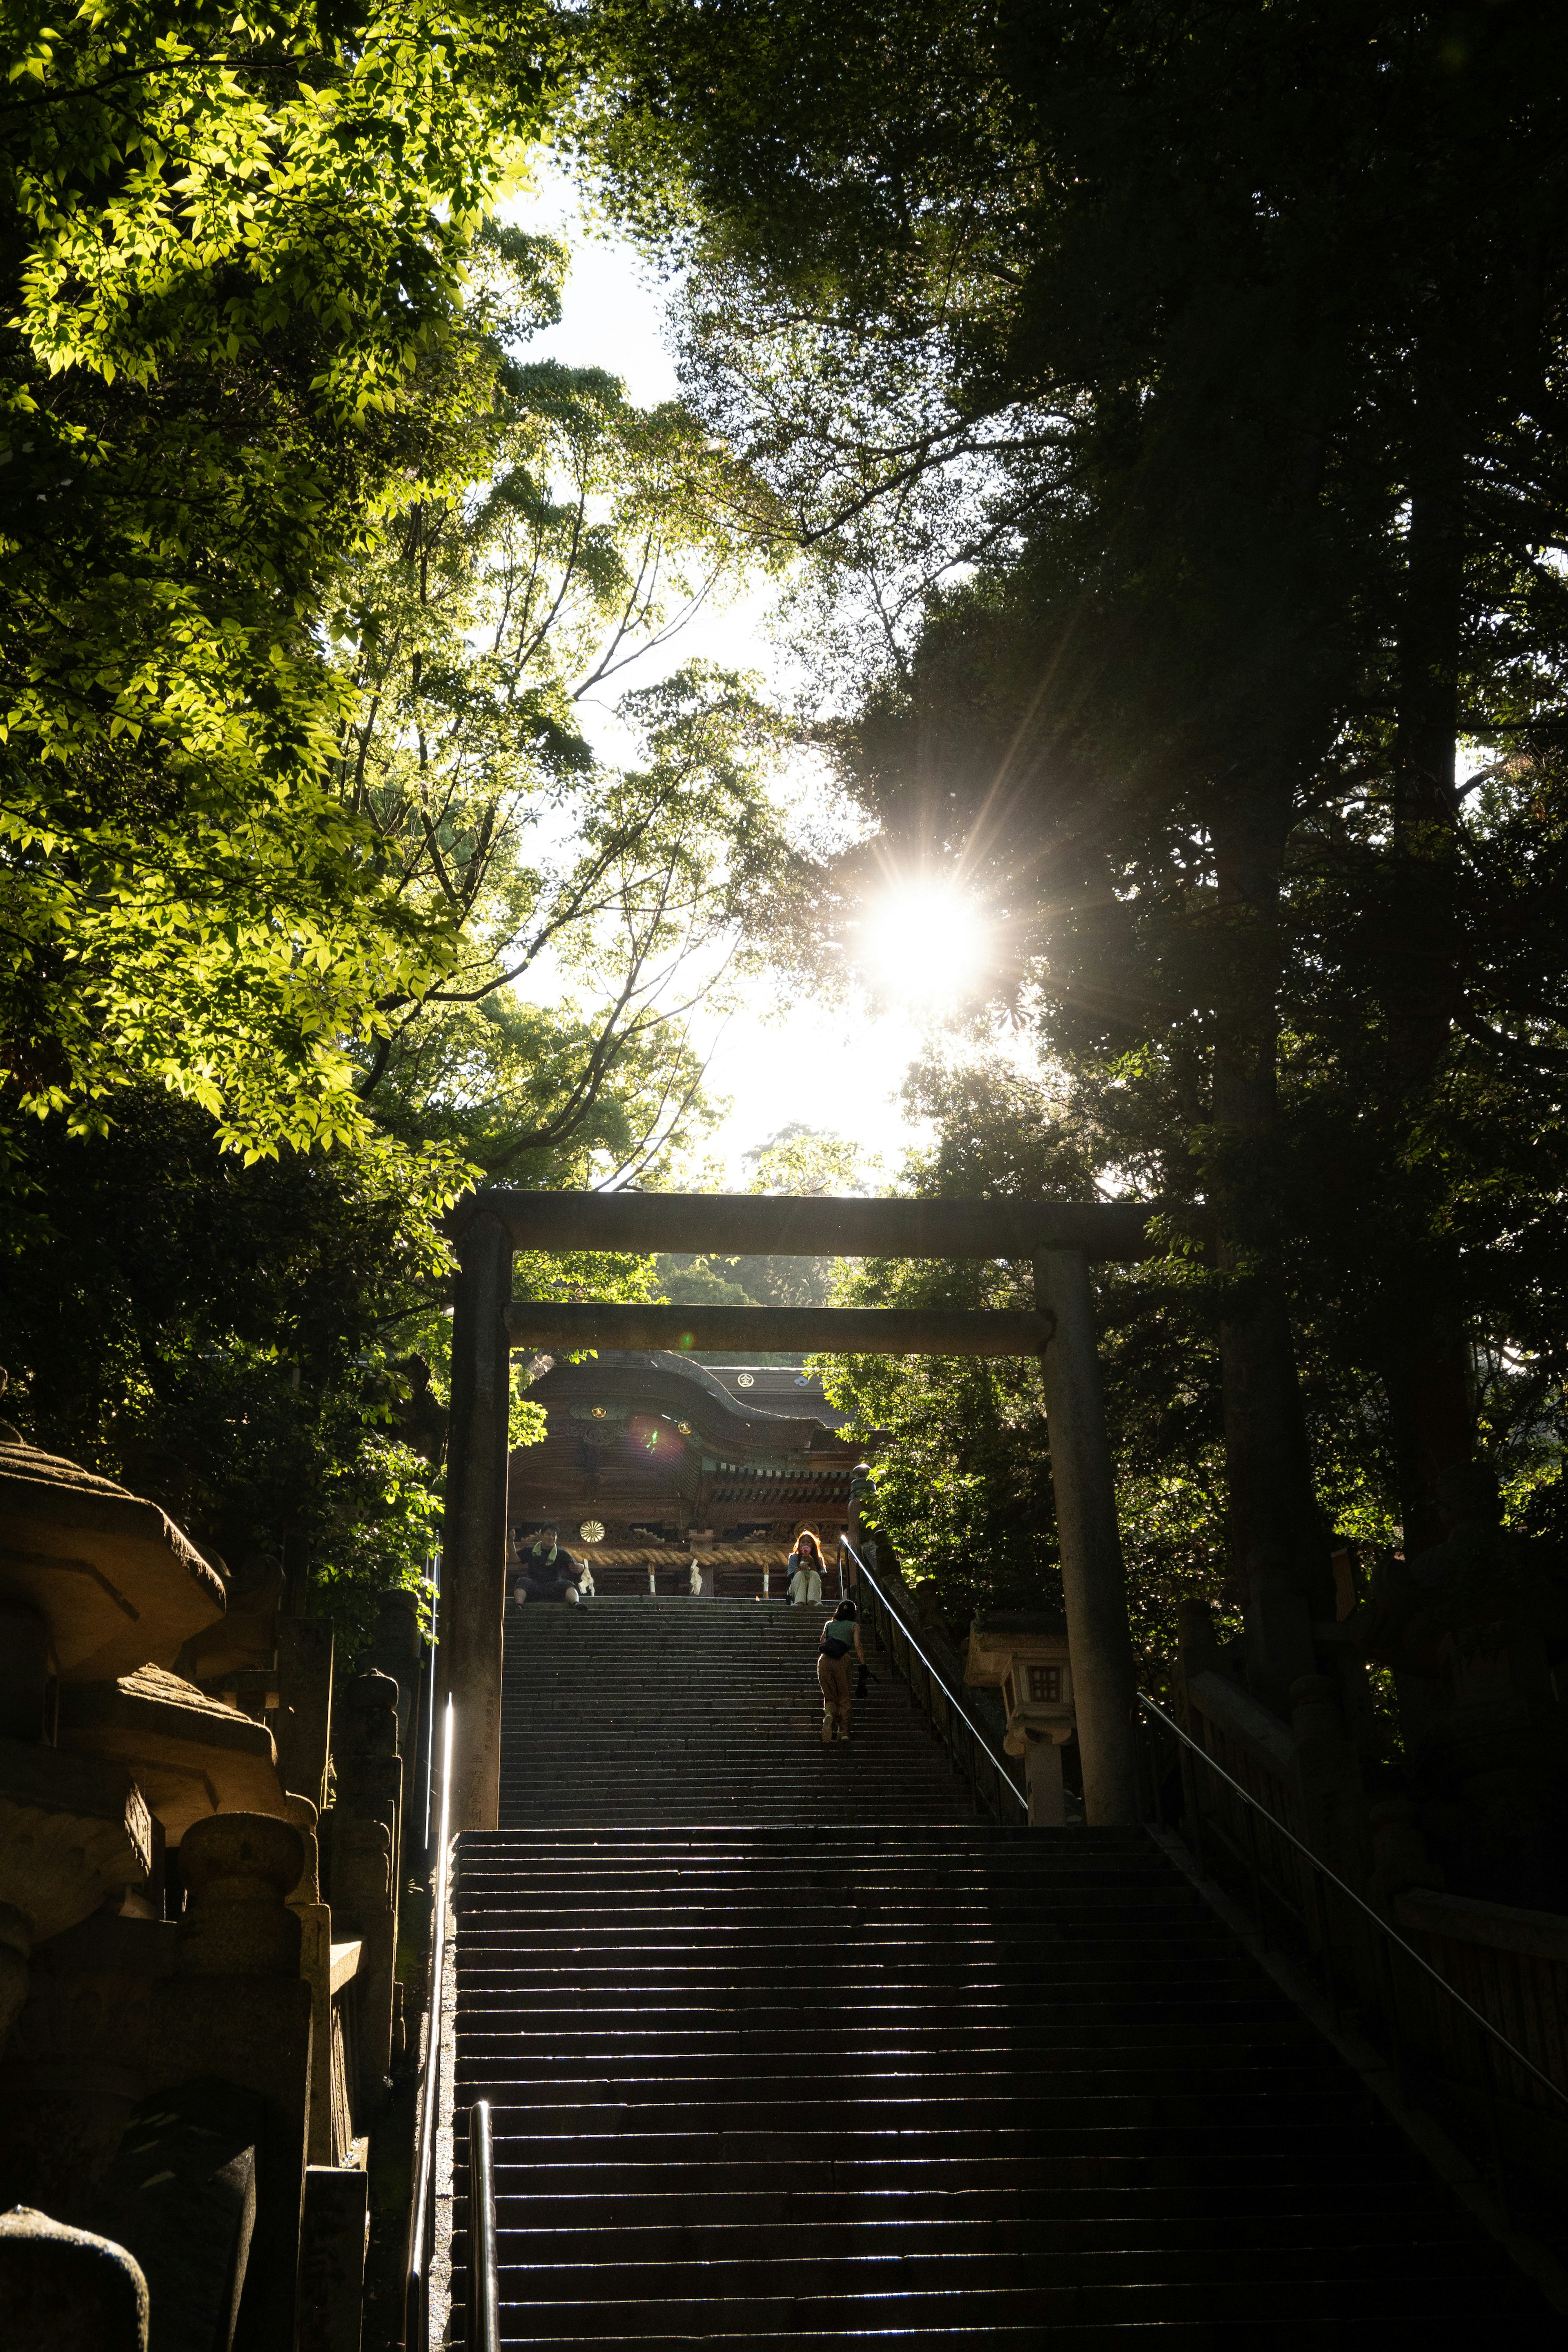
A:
1059, 1238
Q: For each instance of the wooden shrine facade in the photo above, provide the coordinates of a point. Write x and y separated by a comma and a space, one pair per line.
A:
649, 1450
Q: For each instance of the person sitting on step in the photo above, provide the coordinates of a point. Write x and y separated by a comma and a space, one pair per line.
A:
839, 1635
804, 1568
549, 1573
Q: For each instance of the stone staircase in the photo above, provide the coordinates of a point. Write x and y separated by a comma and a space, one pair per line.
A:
772, 2064
680, 1712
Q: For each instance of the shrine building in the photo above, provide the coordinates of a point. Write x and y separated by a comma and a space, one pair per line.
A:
652, 1460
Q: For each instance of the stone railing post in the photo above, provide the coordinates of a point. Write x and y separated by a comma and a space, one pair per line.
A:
363, 1886
363, 1909
237, 2012
303, 1724
315, 1919
396, 1653
1326, 1773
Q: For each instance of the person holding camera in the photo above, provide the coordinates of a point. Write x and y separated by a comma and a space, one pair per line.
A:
546, 1572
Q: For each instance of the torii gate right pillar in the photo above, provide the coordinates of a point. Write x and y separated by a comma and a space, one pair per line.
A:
1093, 1575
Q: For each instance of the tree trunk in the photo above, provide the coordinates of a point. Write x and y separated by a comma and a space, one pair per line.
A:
1272, 1502
1426, 1360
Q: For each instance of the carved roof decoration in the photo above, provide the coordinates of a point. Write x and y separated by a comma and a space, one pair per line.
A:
616, 1384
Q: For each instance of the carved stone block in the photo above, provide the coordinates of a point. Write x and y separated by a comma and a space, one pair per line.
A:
192, 1755
64, 2290
180, 2197
332, 2259
112, 1576
72, 1830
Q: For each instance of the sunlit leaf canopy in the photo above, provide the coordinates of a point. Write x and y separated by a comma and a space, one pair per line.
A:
312, 580
239, 341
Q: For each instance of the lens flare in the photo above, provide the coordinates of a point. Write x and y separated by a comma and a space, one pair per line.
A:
923, 945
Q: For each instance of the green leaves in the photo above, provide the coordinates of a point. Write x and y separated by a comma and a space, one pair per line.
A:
304, 580
235, 326
480, 631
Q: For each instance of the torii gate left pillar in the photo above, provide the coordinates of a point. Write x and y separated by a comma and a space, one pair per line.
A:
474, 1562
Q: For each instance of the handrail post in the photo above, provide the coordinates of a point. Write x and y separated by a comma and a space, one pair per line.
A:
1257, 1876
1195, 1805
1494, 2134
1396, 2025
421, 2221
1331, 1978
484, 2281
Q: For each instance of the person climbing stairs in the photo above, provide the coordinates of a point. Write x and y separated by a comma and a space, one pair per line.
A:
783, 2047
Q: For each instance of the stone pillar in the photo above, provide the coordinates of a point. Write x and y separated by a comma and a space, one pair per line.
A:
302, 1727
1042, 1785
237, 2012
1326, 1771
474, 1547
315, 1967
1093, 1579
396, 1652
1279, 1626
1197, 1645
332, 2259
365, 1757
363, 1908
1399, 1855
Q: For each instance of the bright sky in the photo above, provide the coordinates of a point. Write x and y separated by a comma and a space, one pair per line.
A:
836, 1069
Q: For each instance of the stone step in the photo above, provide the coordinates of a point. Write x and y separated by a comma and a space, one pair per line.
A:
786, 2046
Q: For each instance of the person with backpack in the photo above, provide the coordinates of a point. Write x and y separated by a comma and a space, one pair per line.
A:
840, 1637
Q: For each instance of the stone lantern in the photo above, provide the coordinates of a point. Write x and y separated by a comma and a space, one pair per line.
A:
1028, 1659
111, 1576
94, 1583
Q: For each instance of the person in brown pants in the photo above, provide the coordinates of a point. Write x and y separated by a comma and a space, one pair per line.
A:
841, 1631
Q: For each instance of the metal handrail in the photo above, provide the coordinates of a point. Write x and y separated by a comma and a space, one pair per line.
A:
1004, 1777
416, 2306
1391, 1934
483, 2278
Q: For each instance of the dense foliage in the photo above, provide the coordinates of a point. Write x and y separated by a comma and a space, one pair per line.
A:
805, 1162
1174, 403
1168, 410
237, 338
316, 904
